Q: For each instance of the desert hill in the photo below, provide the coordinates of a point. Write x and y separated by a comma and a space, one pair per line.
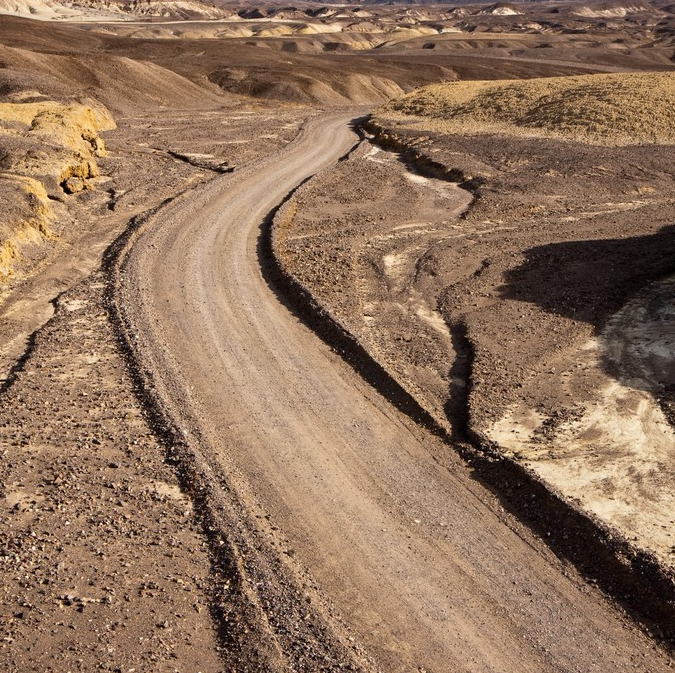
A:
190, 72
119, 82
604, 108
349, 27
613, 9
501, 9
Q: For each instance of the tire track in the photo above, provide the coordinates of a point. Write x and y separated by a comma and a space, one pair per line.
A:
324, 493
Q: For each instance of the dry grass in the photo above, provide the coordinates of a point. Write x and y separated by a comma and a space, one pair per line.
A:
605, 109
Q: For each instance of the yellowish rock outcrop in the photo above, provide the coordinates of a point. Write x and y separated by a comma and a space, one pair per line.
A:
47, 149
52, 141
26, 216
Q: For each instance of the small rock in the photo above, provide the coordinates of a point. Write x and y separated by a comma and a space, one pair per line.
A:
73, 185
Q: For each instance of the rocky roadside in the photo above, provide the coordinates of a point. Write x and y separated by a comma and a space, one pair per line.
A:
105, 562
104, 565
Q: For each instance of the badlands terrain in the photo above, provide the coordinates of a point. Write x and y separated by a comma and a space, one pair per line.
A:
336, 337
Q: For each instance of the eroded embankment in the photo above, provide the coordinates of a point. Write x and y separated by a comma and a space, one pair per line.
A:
633, 576
49, 151
299, 299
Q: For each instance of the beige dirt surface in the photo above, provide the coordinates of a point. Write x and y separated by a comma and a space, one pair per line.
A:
421, 562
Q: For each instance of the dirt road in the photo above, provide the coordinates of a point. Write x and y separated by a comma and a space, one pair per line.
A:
426, 570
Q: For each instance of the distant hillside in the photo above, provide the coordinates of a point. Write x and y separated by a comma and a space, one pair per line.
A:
501, 9
616, 9
607, 108
113, 9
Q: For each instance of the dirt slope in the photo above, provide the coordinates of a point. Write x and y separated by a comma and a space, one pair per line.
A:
609, 108
325, 476
188, 72
123, 84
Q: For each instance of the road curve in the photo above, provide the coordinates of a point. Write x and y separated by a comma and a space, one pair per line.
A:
423, 565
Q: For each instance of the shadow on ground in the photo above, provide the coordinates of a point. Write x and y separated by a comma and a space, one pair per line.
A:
589, 281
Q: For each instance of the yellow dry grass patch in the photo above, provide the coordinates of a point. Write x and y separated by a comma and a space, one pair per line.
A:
604, 109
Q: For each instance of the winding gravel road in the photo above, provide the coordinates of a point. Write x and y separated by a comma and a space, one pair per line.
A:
426, 570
